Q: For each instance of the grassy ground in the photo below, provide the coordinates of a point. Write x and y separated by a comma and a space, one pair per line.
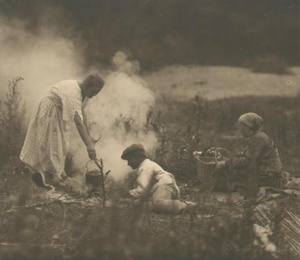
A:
38, 224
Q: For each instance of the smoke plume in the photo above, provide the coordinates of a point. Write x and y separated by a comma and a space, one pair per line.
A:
41, 59
118, 115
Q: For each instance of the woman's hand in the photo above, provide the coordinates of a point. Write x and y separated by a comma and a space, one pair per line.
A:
91, 152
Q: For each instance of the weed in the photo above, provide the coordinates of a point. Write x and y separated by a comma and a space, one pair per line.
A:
12, 129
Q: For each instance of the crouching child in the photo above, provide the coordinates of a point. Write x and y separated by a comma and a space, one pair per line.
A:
154, 185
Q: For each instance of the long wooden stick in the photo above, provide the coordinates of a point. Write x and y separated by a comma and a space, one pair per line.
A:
100, 166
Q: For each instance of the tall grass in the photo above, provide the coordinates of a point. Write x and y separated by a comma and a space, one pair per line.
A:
61, 231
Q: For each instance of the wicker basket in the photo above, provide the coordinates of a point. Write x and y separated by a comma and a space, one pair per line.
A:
206, 165
205, 168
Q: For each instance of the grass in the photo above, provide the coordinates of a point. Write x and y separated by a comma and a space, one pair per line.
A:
33, 226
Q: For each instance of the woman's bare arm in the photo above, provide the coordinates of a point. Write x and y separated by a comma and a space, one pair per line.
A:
83, 132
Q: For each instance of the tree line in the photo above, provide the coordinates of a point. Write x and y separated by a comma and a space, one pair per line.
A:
163, 32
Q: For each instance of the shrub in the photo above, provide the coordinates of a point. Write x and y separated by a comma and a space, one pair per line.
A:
267, 64
12, 129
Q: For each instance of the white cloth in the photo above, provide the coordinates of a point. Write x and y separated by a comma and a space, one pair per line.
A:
47, 140
150, 176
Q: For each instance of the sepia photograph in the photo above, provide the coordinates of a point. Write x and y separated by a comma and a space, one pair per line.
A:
150, 129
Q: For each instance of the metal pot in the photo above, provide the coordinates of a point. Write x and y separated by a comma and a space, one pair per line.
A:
93, 177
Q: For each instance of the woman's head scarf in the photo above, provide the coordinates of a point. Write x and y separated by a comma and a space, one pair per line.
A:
252, 120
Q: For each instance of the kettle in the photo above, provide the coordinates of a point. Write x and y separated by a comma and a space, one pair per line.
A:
93, 176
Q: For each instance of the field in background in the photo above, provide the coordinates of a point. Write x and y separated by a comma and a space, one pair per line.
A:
184, 82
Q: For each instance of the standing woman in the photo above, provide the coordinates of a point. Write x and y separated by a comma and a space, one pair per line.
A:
47, 140
259, 164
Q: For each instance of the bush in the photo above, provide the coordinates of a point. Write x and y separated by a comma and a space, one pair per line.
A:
267, 64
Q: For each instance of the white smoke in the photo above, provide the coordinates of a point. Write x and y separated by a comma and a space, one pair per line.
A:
119, 115
41, 59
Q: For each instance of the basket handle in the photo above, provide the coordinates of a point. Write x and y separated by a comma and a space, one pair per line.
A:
210, 150
196, 155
